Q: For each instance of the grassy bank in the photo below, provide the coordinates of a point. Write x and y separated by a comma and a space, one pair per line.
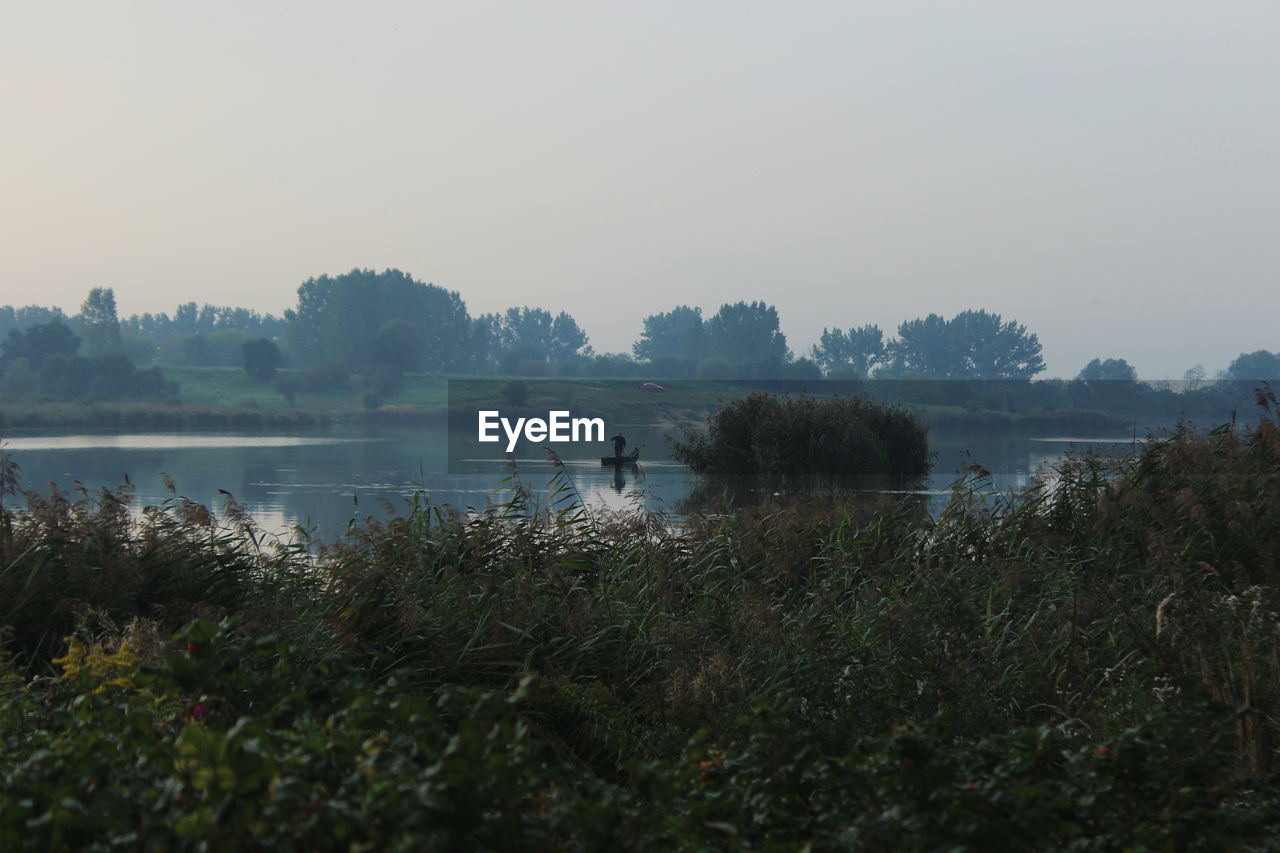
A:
225, 397
1093, 667
149, 416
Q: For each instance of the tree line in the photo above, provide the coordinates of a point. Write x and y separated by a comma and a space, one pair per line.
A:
384, 324
47, 360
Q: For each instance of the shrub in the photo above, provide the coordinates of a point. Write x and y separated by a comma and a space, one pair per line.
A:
766, 434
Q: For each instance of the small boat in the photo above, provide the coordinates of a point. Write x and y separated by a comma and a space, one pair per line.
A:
628, 461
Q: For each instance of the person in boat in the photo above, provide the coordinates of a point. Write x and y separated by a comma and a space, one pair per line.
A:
619, 444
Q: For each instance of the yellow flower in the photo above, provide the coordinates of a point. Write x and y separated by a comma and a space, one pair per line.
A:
92, 660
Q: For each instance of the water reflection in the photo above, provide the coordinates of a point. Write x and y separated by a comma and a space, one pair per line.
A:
324, 482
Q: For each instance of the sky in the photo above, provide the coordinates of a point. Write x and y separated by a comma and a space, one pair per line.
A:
1104, 173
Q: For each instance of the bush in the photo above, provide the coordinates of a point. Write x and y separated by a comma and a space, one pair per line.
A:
261, 358
766, 434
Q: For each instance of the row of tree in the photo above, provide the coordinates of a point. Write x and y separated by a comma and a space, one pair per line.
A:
48, 361
383, 324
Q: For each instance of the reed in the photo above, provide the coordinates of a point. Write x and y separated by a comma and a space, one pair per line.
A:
1089, 663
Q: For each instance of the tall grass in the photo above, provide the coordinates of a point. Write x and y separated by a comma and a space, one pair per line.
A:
1059, 665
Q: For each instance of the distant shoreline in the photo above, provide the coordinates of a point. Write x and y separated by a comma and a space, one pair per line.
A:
226, 398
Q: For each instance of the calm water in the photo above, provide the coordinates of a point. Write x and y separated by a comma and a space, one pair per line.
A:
324, 481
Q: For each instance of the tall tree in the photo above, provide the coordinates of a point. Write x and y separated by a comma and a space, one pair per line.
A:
261, 358
1256, 365
1111, 370
99, 325
535, 334
338, 319
971, 345
40, 342
746, 332
851, 354
26, 317
676, 334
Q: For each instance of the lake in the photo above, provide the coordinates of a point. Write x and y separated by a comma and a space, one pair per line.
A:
322, 481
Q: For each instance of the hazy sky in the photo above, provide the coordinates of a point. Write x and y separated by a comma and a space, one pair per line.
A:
1105, 173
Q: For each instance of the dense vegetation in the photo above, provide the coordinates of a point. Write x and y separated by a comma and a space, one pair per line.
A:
44, 363
1091, 665
769, 434
381, 326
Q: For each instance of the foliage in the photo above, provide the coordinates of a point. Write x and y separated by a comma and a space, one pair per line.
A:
746, 332
521, 338
40, 363
261, 358
971, 345
26, 316
1111, 370
1258, 365
851, 354
673, 342
338, 320
40, 342
223, 348
1089, 665
766, 434
191, 319
99, 326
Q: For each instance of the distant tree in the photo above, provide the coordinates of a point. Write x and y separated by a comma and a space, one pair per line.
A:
225, 347
396, 346
1257, 365
26, 317
971, 345
715, 367
186, 319
261, 358
801, 368
568, 340
140, 349
42, 361
614, 364
111, 377
677, 337
39, 343
190, 319
192, 350
851, 354
1112, 369
526, 334
99, 326
746, 332
1194, 377
338, 319
19, 379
